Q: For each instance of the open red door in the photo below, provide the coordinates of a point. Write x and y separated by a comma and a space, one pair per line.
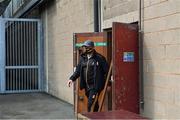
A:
125, 67
101, 47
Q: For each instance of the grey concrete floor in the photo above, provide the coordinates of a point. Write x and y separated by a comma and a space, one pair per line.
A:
34, 106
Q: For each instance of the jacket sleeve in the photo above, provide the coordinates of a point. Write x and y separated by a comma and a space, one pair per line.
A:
76, 74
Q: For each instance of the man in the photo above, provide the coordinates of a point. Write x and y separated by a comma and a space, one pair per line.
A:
92, 69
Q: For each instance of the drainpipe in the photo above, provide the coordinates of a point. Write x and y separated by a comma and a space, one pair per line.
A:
141, 76
96, 15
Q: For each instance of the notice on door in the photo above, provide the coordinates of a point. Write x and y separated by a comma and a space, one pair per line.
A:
128, 57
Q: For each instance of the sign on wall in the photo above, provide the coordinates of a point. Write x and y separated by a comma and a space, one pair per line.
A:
128, 57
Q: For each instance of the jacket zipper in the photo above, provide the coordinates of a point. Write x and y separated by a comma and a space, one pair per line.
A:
87, 72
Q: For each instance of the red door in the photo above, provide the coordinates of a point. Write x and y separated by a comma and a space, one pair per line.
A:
101, 47
125, 67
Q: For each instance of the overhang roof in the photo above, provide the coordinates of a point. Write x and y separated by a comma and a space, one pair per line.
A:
3, 5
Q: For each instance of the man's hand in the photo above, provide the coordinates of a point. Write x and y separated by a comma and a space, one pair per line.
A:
70, 82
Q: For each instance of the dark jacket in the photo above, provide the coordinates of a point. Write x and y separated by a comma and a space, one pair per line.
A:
98, 72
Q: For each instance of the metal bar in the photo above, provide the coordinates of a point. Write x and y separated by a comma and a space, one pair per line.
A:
33, 43
28, 82
15, 50
24, 42
27, 54
24, 53
29, 43
36, 44
16, 79
37, 78
33, 78
22, 91
20, 43
21, 54
30, 31
29, 49
7, 56
19, 83
24, 37
29, 72
18, 53
22, 78
8, 42
7, 47
7, 79
39, 56
15, 41
2, 58
25, 79
22, 19
33, 55
21, 67
35, 52
28, 79
12, 80
12, 44
11, 36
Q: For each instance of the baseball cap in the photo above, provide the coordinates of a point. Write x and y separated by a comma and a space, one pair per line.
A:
88, 43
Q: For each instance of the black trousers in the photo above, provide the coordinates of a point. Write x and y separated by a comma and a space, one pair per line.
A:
91, 100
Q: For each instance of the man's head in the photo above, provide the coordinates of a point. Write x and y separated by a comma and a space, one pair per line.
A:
88, 46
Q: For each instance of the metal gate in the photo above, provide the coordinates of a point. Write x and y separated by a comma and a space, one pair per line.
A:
20, 61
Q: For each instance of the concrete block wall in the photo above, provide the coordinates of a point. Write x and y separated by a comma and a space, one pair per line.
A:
161, 58
125, 11
161, 45
61, 19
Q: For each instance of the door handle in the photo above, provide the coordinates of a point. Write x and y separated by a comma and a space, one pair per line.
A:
81, 98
